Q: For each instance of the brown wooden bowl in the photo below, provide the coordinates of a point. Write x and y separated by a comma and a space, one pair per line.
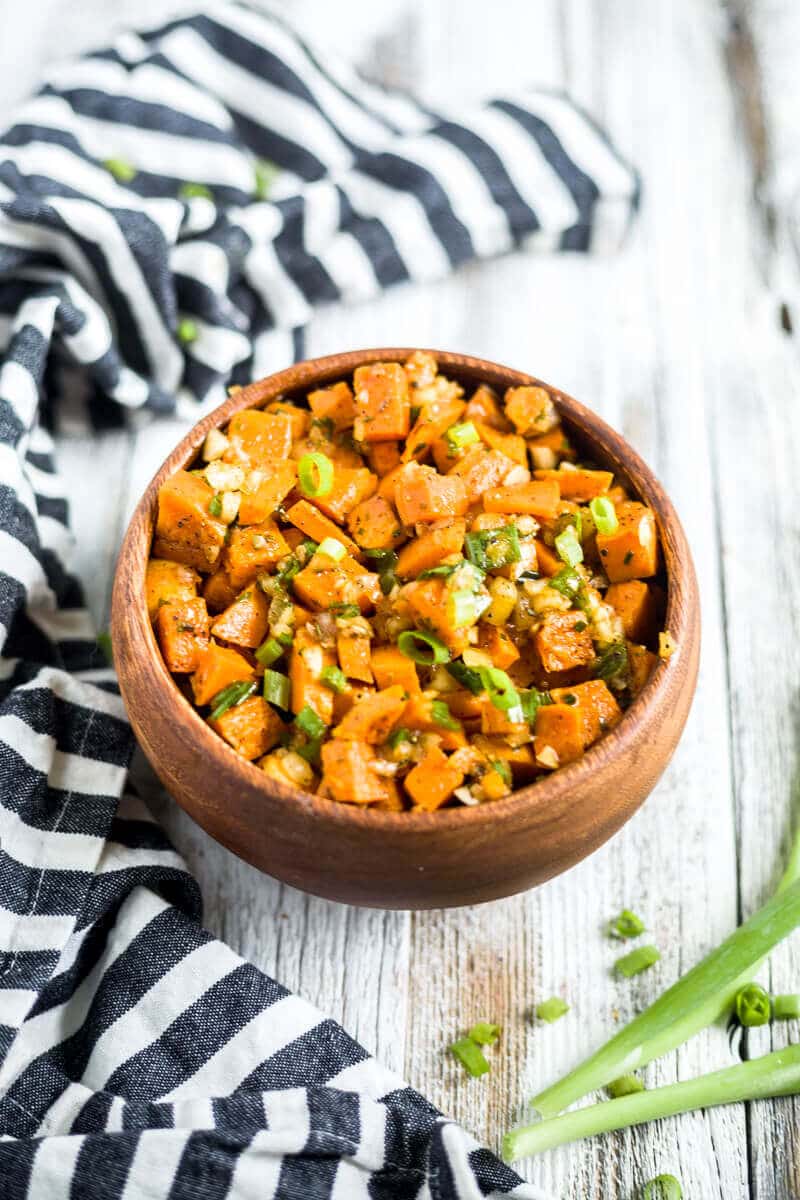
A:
407, 860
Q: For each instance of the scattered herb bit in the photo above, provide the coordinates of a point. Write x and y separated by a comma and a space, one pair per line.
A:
122, 170
663, 1187
752, 1006
230, 696
215, 505
187, 331
309, 723
470, 1055
104, 644
191, 191
276, 689
637, 961
786, 1007
626, 1085
334, 678
484, 1033
628, 557
422, 648
612, 662
571, 699
552, 1009
443, 571
626, 925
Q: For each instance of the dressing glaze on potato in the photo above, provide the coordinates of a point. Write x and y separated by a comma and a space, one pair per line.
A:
390, 593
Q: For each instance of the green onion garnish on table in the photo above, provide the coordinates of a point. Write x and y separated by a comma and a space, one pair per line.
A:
752, 1006
626, 1085
663, 1187
637, 961
470, 1055
422, 648
485, 1033
786, 1007
315, 475
552, 1009
188, 331
230, 696
626, 925
195, 191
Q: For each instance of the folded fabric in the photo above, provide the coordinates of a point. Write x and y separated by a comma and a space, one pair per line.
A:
171, 209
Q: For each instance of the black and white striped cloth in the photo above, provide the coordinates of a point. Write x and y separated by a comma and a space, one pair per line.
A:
139, 1057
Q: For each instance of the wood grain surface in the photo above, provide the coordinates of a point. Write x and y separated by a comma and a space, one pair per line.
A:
685, 342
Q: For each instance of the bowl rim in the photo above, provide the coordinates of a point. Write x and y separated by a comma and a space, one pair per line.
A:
548, 791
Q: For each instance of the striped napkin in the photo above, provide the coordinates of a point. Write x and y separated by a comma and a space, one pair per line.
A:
171, 210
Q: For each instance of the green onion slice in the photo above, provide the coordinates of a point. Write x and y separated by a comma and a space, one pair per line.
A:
458, 437
484, 1033
552, 1009
638, 960
443, 571
464, 608
441, 716
752, 1005
269, 651
612, 662
398, 737
334, 678
315, 475
531, 700
422, 648
785, 1007
503, 769
490, 549
663, 1187
332, 548
626, 925
310, 723
568, 547
466, 676
626, 1085
231, 695
276, 689
604, 515
500, 689
471, 1057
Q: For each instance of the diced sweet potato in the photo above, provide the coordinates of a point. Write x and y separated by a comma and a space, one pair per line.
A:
578, 483
510, 444
383, 457
480, 470
253, 549
465, 706
539, 498
307, 662
372, 719
498, 645
430, 425
548, 562
394, 801
354, 656
420, 715
279, 479
299, 417
427, 599
374, 524
349, 775
559, 730
382, 404
431, 783
495, 722
218, 591
422, 495
598, 708
218, 667
421, 368
431, 548
252, 728
245, 622
186, 532
631, 552
324, 582
337, 447
350, 487
317, 526
564, 642
182, 631
531, 409
519, 758
391, 668
484, 406
258, 437
555, 440
642, 663
334, 403
635, 604
165, 580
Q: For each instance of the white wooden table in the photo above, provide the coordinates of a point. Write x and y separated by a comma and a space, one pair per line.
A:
680, 342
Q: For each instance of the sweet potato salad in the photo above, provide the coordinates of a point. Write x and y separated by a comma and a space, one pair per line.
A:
398, 593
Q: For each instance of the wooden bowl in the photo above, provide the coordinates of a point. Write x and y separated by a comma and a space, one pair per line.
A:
407, 860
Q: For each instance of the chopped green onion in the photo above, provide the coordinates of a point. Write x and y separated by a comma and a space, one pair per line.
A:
387, 560
315, 475
309, 723
104, 644
500, 689
276, 689
464, 608
752, 1006
308, 750
231, 695
187, 331
458, 437
215, 505
122, 170
441, 716
484, 1033
309, 548
443, 571
502, 768
398, 737
604, 515
568, 520
531, 700
266, 173
489, 549
786, 1007
332, 548
638, 960
422, 648
471, 1057
626, 1085
334, 678
190, 191
269, 651
612, 662
344, 610
626, 925
380, 555
663, 1187
550, 1010
568, 547
466, 676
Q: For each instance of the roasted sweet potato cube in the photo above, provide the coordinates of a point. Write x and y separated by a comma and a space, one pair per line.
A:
422, 495
324, 582
564, 642
334, 403
252, 728
510, 444
578, 483
383, 457
245, 622
519, 758
431, 424
484, 406
251, 550
481, 470
259, 437
531, 409
547, 561
631, 552
498, 645
350, 487
598, 708
559, 735
372, 719
354, 656
307, 662
642, 663
391, 667
427, 599
218, 666
431, 783
374, 524
259, 503
420, 715
186, 532
165, 580
218, 591
539, 498
383, 408
349, 775
300, 419
317, 526
635, 603
182, 631
431, 548
555, 441
495, 723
